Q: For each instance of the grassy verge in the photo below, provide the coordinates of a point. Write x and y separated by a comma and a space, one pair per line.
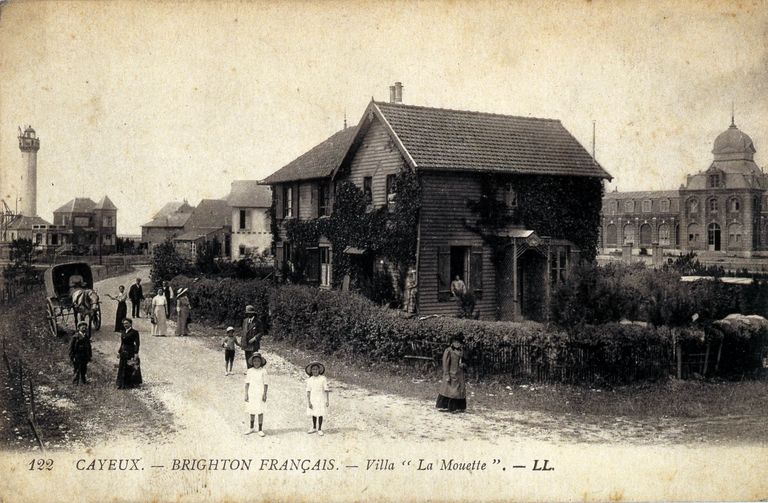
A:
66, 414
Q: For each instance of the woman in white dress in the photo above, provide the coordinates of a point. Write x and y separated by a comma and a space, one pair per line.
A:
317, 396
159, 327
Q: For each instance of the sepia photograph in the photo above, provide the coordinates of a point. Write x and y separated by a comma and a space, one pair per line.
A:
439, 250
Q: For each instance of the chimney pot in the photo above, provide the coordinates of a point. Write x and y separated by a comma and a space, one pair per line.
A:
398, 92
392, 94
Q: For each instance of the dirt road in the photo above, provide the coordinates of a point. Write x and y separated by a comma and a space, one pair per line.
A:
187, 376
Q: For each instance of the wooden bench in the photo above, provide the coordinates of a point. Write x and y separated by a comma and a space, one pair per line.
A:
426, 353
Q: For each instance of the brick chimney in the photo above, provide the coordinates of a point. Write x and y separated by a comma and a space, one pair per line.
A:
398, 92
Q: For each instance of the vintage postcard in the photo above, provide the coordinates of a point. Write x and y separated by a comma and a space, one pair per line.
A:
383, 250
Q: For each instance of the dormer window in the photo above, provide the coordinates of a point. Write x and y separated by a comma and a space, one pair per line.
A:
714, 181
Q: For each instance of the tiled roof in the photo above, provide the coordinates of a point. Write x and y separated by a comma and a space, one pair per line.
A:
210, 214
26, 223
105, 204
319, 162
174, 207
249, 194
196, 234
642, 194
456, 140
77, 205
172, 220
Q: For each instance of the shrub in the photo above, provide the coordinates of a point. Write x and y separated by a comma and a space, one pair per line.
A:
223, 300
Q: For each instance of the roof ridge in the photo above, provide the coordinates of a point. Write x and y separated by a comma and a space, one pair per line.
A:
473, 112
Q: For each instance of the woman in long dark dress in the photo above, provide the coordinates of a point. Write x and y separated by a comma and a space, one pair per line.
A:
122, 308
453, 390
129, 371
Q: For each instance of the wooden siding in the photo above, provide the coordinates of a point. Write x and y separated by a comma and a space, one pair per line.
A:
377, 156
444, 208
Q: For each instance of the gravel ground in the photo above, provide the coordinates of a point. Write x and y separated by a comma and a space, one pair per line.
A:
187, 376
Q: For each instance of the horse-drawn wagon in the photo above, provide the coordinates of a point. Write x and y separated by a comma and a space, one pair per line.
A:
69, 289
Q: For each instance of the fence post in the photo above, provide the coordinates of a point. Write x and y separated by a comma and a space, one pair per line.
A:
679, 351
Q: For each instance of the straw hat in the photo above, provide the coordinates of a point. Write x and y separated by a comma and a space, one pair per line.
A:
82, 324
182, 291
230, 329
257, 355
249, 309
308, 368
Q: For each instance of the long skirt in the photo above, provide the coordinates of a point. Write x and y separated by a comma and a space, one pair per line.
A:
161, 327
120, 315
181, 325
451, 404
128, 376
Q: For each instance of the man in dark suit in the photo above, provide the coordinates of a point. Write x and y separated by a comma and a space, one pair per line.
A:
250, 341
136, 294
168, 292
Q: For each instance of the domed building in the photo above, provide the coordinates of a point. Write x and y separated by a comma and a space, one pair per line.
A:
720, 209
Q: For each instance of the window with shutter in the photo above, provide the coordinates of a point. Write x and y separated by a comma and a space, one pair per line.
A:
314, 203
277, 194
444, 273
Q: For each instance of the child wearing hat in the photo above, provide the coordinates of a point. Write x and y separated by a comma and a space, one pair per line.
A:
256, 385
80, 352
317, 395
228, 343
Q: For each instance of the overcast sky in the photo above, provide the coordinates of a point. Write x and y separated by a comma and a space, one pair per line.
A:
152, 102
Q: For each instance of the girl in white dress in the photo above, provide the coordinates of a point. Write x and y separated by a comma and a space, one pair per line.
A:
159, 327
317, 395
256, 391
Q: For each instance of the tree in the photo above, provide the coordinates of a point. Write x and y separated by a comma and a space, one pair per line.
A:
167, 263
22, 256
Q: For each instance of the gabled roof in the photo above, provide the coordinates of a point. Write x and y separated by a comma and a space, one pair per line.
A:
249, 194
457, 140
172, 220
174, 207
105, 204
25, 223
210, 214
77, 205
319, 162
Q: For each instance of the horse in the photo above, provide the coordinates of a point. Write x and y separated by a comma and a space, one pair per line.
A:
84, 302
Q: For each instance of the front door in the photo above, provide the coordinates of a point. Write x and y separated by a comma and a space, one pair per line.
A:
532, 280
713, 237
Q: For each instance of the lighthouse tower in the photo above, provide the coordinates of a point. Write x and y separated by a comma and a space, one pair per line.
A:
29, 144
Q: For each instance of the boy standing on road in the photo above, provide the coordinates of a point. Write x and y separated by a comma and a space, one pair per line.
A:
80, 352
229, 343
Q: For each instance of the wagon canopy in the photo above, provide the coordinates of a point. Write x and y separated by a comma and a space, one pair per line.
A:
57, 278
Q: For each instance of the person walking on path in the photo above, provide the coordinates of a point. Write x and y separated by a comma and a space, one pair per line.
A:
453, 391
229, 343
159, 317
256, 385
317, 396
183, 310
168, 292
250, 341
136, 294
80, 352
129, 369
122, 308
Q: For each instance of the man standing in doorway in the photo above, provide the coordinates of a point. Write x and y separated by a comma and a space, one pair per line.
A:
136, 294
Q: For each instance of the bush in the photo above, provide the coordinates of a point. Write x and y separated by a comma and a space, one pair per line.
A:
224, 300
167, 263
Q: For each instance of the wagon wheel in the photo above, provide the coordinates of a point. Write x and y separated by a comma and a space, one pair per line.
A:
96, 318
51, 315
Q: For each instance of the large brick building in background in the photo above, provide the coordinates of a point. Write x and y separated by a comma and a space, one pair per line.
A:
722, 209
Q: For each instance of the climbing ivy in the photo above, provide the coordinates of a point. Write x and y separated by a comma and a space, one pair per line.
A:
386, 232
555, 206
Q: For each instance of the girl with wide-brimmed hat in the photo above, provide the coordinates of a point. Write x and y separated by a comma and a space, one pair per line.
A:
317, 395
183, 309
256, 385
